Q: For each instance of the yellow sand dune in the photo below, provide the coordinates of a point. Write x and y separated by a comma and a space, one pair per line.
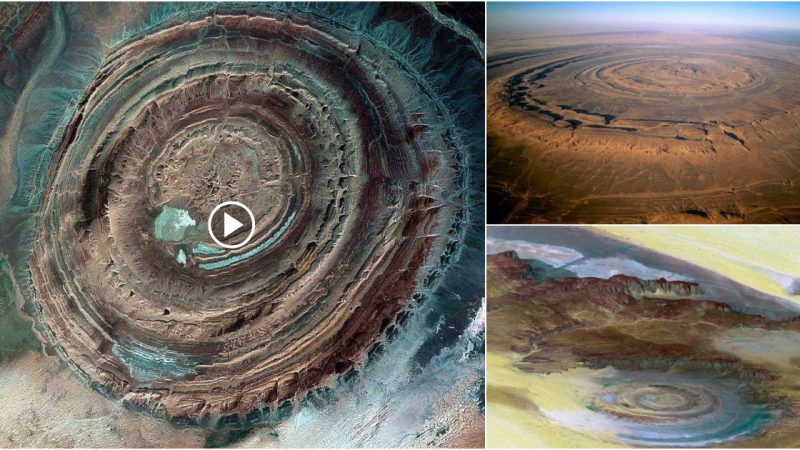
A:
518, 422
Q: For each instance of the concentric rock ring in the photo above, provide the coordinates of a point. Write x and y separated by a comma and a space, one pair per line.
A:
679, 410
687, 76
654, 408
634, 85
356, 187
649, 408
656, 403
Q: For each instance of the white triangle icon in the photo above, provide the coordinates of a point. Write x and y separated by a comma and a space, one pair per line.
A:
229, 225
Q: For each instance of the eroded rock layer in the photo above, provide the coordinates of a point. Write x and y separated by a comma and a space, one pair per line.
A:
644, 127
352, 165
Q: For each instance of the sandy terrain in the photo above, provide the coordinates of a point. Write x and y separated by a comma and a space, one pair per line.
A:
643, 127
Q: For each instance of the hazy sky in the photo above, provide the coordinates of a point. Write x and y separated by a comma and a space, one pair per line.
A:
508, 15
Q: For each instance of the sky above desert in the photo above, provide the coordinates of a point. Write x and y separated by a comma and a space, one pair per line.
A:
517, 16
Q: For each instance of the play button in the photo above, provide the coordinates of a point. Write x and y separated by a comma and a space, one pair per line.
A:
234, 222
230, 225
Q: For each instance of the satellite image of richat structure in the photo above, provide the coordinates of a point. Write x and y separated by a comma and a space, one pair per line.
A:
241, 224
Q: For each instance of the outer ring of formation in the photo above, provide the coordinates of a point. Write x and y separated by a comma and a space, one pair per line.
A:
347, 156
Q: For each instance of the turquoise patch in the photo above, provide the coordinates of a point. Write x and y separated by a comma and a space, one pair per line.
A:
171, 224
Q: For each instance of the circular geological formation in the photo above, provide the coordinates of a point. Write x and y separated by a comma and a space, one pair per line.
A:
348, 159
629, 90
666, 128
665, 77
656, 403
651, 409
